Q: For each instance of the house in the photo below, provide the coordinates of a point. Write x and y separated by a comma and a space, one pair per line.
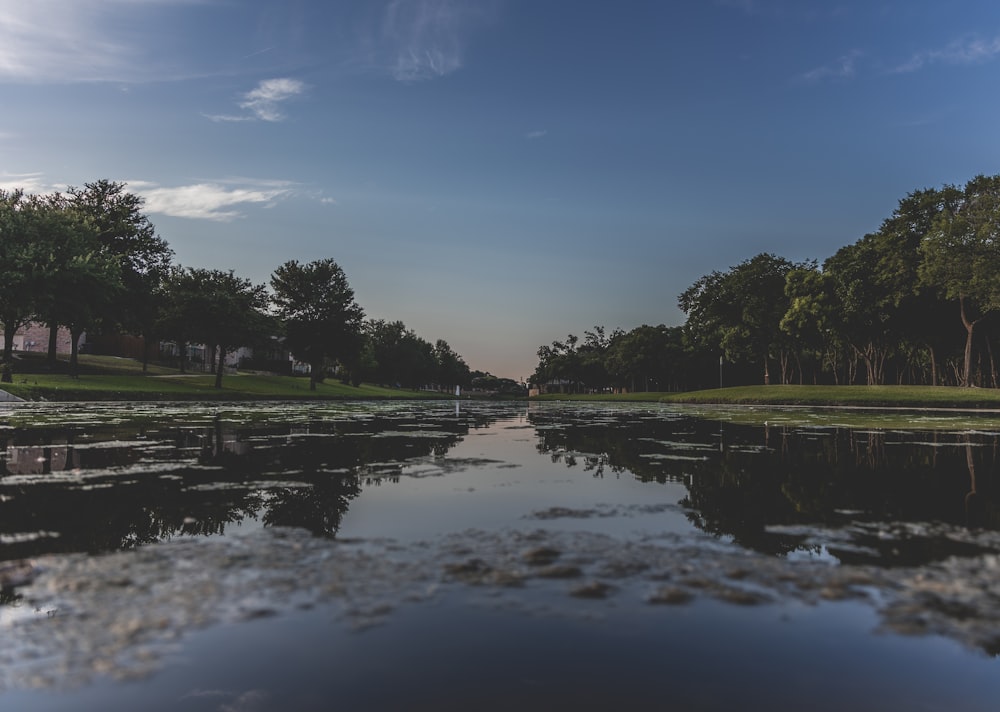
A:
34, 336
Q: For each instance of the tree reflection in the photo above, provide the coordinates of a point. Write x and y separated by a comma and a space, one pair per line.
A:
111, 487
742, 480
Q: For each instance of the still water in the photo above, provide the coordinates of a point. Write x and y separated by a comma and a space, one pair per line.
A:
440, 556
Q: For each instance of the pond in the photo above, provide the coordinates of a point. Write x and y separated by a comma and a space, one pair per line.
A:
477, 555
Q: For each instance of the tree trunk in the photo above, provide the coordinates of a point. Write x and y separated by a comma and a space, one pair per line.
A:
182, 347
8, 354
970, 326
933, 366
74, 350
53, 343
220, 366
145, 354
314, 370
993, 365
767, 374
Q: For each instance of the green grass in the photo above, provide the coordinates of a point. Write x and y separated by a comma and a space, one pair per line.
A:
849, 396
37, 363
110, 378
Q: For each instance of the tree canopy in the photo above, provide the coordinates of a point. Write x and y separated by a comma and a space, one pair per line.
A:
321, 319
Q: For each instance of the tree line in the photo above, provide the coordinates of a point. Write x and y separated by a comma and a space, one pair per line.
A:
916, 302
90, 260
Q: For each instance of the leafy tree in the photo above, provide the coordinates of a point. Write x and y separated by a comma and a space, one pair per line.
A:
740, 311
124, 232
814, 316
320, 317
451, 368
19, 239
961, 257
400, 356
215, 308
184, 300
646, 356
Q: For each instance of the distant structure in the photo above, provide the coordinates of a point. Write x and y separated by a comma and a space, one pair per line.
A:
35, 337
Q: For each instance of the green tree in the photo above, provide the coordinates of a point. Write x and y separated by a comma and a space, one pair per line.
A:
320, 317
401, 357
451, 368
216, 308
814, 316
740, 311
961, 258
19, 240
184, 300
83, 283
124, 232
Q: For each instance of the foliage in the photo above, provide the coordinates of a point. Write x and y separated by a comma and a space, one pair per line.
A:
321, 319
961, 257
124, 233
739, 312
217, 308
399, 357
19, 274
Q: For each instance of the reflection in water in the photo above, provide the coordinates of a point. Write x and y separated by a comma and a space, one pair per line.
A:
750, 482
106, 486
70, 483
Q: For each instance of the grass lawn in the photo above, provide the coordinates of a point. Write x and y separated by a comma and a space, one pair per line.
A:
853, 396
109, 378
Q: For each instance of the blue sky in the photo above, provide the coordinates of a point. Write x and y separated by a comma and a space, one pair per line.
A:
500, 173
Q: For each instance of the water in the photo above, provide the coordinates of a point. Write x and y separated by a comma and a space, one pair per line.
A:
434, 556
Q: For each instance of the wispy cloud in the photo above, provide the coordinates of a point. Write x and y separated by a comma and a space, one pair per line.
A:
28, 182
217, 200
264, 102
75, 40
969, 50
843, 67
535, 134
425, 39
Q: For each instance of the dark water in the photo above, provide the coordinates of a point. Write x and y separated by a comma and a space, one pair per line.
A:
415, 556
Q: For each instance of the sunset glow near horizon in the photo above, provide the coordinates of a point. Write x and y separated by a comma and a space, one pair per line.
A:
501, 173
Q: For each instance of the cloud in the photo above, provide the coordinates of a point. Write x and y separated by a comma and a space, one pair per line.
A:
844, 67
535, 134
211, 200
264, 102
425, 39
28, 182
75, 40
969, 50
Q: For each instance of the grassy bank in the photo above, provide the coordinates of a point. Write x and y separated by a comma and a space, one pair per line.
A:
107, 378
853, 396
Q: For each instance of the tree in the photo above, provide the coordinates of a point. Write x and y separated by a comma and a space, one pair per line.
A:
961, 257
739, 312
813, 319
215, 308
184, 301
82, 282
124, 232
19, 239
400, 357
451, 368
642, 357
321, 319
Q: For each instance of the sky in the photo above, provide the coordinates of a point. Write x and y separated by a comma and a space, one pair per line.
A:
502, 173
